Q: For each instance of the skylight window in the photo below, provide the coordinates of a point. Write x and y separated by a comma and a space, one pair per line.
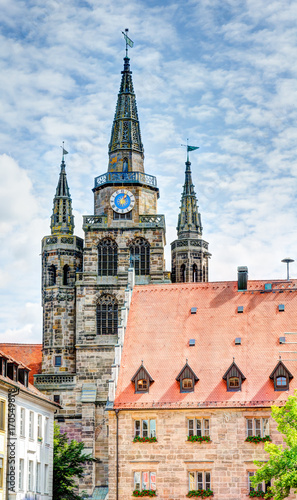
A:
240, 309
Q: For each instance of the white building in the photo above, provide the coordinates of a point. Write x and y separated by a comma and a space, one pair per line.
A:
26, 440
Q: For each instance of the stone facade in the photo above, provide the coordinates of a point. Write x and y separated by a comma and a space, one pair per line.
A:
228, 457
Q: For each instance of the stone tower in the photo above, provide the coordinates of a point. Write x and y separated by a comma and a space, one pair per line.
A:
189, 253
125, 231
62, 255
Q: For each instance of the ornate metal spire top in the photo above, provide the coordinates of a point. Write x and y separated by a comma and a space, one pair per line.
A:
189, 219
62, 220
126, 152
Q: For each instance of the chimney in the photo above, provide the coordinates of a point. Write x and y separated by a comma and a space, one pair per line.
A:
242, 272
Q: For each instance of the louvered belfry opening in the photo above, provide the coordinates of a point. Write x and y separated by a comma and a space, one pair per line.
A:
140, 256
107, 257
107, 315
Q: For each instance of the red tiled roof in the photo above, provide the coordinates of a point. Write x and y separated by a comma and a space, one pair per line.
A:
29, 354
160, 325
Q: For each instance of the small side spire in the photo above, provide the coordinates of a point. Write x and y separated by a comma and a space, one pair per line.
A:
62, 220
189, 219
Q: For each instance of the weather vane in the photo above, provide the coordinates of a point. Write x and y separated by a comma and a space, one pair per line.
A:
127, 40
189, 148
64, 152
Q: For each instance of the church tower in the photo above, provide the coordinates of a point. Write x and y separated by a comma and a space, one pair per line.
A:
62, 254
85, 288
189, 253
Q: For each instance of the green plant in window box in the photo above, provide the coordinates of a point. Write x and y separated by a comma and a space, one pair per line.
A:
200, 493
147, 439
258, 439
260, 494
144, 493
39, 439
199, 439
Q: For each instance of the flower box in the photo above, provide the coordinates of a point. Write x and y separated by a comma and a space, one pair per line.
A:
258, 439
199, 439
144, 493
39, 439
259, 494
200, 493
139, 439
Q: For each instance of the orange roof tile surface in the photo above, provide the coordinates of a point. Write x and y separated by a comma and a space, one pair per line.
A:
160, 325
29, 354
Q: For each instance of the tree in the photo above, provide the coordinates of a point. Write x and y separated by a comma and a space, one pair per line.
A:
282, 463
68, 466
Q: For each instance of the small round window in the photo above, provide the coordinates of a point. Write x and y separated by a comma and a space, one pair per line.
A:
187, 384
234, 382
142, 385
281, 381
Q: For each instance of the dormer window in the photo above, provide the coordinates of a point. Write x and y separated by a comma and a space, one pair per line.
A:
187, 379
142, 380
234, 378
281, 377
142, 385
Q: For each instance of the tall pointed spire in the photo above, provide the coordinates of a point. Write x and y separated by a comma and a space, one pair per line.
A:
126, 151
189, 219
62, 220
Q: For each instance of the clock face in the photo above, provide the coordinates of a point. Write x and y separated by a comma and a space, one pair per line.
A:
122, 201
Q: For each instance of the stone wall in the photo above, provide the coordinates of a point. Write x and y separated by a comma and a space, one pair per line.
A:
227, 457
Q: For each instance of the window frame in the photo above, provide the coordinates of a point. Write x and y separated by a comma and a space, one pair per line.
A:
107, 311
39, 427
151, 483
140, 256
22, 425
38, 477
107, 257
260, 487
2, 415
1, 472
200, 480
149, 432
203, 426
58, 361
31, 425
45, 479
21, 473
255, 426
31, 475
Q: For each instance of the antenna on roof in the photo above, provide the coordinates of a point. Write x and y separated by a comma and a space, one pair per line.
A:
288, 261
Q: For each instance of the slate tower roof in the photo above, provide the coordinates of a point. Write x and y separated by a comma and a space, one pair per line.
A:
189, 219
62, 220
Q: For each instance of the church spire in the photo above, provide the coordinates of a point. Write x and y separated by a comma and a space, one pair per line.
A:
189, 219
126, 151
62, 220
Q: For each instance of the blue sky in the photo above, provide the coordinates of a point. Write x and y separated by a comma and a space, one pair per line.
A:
222, 74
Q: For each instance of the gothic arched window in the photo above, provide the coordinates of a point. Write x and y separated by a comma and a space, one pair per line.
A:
52, 275
140, 256
195, 273
183, 273
66, 275
107, 257
107, 315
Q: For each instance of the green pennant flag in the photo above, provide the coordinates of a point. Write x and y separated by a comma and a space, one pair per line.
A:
128, 40
192, 148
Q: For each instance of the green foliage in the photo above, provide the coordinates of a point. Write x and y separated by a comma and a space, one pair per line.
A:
282, 463
199, 439
200, 493
144, 493
68, 466
257, 439
147, 439
260, 494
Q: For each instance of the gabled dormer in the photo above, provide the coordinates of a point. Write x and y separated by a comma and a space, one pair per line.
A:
12, 370
187, 379
23, 376
281, 377
234, 378
142, 380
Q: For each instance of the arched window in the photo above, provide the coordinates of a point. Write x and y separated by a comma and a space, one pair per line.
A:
204, 274
107, 315
281, 381
125, 165
195, 274
66, 275
52, 275
140, 256
107, 257
183, 273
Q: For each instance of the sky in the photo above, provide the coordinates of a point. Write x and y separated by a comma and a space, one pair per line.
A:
222, 74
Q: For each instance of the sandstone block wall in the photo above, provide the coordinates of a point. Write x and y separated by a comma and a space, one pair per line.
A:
227, 457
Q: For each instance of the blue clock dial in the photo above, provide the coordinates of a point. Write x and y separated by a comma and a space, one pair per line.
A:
122, 201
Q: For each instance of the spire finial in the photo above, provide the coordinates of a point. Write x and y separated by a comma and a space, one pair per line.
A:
64, 152
127, 40
233, 359
189, 148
